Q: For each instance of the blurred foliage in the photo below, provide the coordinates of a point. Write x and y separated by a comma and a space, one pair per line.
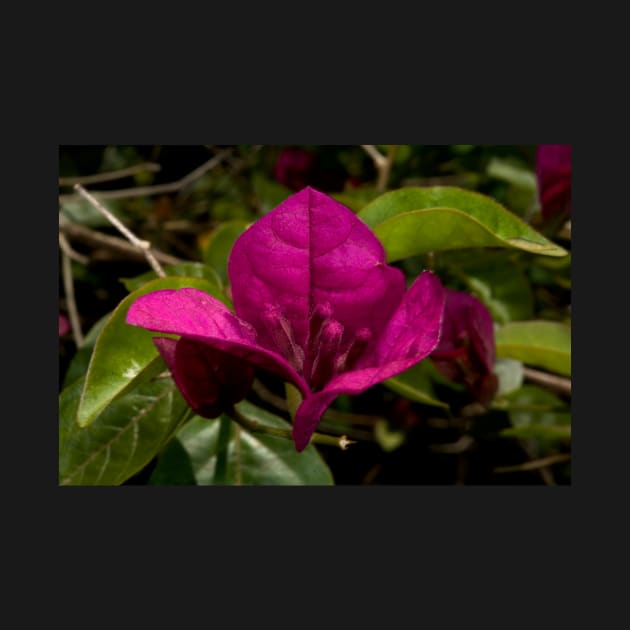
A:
192, 202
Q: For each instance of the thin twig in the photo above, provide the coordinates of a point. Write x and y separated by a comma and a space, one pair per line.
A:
460, 446
159, 189
70, 253
98, 239
98, 178
68, 287
550, 381
535, 464
143, 246
382, 163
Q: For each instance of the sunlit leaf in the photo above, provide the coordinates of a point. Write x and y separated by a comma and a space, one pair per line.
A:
123, 353
412, 221
539, 343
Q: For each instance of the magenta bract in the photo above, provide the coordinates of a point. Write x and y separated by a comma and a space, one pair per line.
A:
466, 351
295, 166
553, 171
314, 302
64, 325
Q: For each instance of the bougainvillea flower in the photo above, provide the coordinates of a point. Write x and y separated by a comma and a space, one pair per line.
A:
64, 324
466, 350
314, 302
294, 167
553, 171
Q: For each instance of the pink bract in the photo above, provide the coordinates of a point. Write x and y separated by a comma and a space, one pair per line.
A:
314, 302
466, 351
553, 171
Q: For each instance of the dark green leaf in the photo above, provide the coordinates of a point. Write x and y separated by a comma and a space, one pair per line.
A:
497, 280
252, 458
537, 413
416, 384
122, 439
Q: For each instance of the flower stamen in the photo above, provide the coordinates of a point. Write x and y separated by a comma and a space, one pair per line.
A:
282, 335
327, 351
355, 349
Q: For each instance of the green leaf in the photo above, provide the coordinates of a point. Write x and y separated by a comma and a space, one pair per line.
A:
416, 384
537, 413
387, 439
356, 198
185, 270
219, 245
122, 439
539, 343
513, 173
509, 373
123, 353
497, 280
252, 458
268, 192
412, 221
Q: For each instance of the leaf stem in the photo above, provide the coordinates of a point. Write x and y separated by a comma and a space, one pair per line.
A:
257, 427
223, 441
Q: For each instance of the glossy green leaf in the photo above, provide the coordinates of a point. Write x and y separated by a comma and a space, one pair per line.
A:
416, 384
122, 439
412, 221
498, 280
182, 270
537, 413
251, 458
538, 343
124, 353
219, 245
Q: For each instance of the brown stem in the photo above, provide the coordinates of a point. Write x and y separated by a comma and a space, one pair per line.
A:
550, 381
159, 189
98, 178
535, 464
98, 239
